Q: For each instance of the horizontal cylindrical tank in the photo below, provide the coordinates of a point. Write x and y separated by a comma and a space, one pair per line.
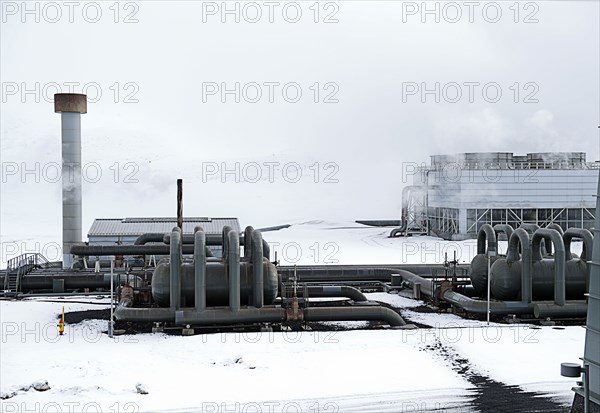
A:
479, 270
506, 279
217, 283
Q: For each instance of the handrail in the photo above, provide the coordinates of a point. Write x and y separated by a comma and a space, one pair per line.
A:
22, 265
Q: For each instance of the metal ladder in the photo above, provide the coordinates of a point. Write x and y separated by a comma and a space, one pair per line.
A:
20, 266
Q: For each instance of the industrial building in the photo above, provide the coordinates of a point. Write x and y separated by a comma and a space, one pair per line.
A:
125, 231
456, 195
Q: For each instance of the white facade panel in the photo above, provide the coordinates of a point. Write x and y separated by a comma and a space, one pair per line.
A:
562, 188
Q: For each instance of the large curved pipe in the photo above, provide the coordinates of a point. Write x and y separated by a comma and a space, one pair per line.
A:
581, 233
175, 265
256, 256
200, 269
396, 232
412, 279
149, 237
469, 304
225, 241
248, 242
520, 236
531, 228
211, 239
480, 306
354, 313
486, 233
559, 260
555, 226
507, 229
547, 242
233, 272
186, 239
320, 291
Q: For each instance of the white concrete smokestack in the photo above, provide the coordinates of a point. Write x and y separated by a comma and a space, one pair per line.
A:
71, 106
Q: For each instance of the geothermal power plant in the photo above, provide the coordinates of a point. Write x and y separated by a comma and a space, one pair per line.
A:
193, 275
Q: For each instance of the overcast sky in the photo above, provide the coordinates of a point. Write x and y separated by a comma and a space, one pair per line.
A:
154, 72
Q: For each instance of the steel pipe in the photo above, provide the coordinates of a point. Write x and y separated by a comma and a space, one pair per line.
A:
486, 233
200, 269
469, 304
160, 237
547, 242
104, 250
76, 281
256, 257
531, 228
555, 226
233, 271
426, 285
507, 229
225, 242
248, 242
212, 316
175, 265
144, 314
480, 306
320, 291
368, 313
583, 234
570, 309
224, 316
559, 260
520, 237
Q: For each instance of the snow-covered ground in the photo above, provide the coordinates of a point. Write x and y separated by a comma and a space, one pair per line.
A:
328, 242
315, 371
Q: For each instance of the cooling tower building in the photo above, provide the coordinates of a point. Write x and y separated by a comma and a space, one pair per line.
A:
456, 194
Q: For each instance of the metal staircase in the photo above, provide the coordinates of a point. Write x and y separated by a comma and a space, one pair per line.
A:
20, 266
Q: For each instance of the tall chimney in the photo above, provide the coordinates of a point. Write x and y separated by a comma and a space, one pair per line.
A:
180, 203
71, 106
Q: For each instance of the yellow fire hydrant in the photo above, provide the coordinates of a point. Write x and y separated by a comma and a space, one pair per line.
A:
61, 323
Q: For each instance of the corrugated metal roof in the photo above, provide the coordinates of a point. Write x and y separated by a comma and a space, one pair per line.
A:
139, 226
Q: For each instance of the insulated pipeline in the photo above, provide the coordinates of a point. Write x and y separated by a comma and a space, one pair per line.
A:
200, 269
369, 313
520, 237
486, 233
559, 260
580, 233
